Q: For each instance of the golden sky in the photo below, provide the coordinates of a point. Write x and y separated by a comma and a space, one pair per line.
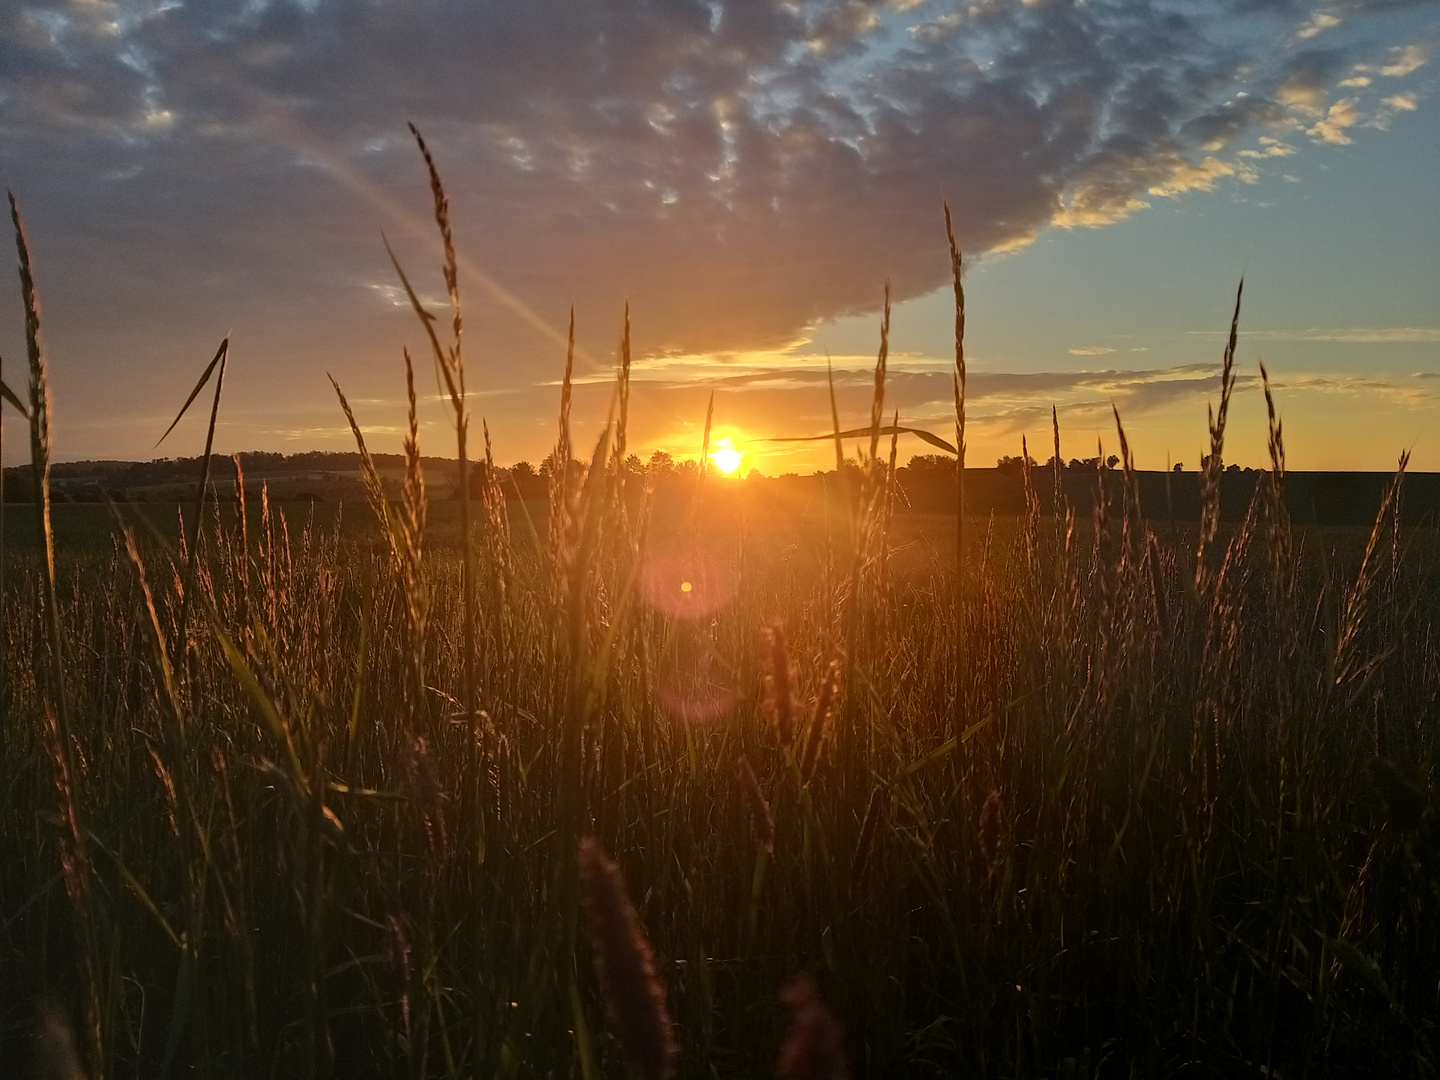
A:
748, 176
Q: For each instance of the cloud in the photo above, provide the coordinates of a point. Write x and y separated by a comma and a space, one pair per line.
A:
1317, 24
1091, 350
1342, 114
738, 169
1404, 60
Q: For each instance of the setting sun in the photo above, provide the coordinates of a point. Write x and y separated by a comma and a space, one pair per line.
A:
726, 458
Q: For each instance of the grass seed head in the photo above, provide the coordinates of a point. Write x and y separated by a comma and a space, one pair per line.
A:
762, 821
422, 787
991, 828
814, 1047
625, 967
779, 682
819, 729
396, 950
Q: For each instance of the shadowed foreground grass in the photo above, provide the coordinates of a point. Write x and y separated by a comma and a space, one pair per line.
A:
1193, 865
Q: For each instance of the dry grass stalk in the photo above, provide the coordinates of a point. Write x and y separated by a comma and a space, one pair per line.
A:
779, 700
877, 397
814, 1047
1130, 507
1058, 462
866, 841
421, 777
819, 727
40, 458
450, 365
374, 486
622, 392
396, 949
990, 829
1214, 464
561, 495
762, 821
1157, 585
1357, 602
956, 269
624, 965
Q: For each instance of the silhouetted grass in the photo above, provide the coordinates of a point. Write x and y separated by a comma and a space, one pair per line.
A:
1073, 807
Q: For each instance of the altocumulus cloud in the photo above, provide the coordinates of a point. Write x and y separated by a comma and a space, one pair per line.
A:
738, 168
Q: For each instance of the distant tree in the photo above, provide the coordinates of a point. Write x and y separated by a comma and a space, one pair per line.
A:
923, 466
522, 472
661, 465
1014, 463
1233, 468
1112, 461
754, 474
1178, 467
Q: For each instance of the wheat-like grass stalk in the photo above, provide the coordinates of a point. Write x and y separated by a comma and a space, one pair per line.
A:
956, 269
818, 730
1214, 463
866, 840
1346, 665
779, 682
40, 465
192, 544
762, 821
990, 829
625, 967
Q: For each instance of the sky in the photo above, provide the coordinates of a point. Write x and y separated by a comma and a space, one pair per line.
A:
748, 176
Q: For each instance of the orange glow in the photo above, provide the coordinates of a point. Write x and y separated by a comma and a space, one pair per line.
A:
726, 458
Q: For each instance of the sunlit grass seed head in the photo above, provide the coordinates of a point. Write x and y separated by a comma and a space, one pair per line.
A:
779, 701
818, 730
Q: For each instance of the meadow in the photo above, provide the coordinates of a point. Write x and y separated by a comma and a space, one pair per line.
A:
692, 784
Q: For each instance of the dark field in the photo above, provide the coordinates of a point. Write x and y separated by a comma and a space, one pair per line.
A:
303, 857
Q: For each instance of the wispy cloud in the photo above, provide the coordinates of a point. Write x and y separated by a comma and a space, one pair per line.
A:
1344, 335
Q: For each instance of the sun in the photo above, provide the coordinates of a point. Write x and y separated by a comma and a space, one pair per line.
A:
726, 458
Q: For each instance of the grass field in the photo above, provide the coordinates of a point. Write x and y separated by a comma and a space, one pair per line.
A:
720, 789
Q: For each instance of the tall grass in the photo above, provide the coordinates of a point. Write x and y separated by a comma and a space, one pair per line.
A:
1093, 801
